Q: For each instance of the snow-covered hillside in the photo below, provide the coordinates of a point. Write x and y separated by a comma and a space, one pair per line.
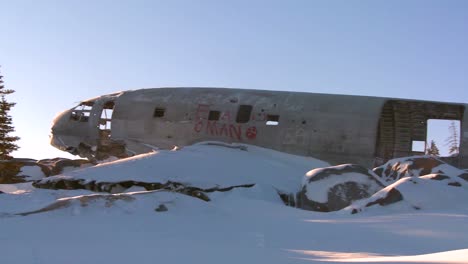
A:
248, 224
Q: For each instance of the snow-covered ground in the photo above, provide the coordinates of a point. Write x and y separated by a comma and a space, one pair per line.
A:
243, 225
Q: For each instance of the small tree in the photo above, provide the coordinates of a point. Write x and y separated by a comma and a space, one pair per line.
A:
452, 141
433, 149
7, 142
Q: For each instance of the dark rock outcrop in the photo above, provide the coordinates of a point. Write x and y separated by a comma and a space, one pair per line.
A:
449, 180
117, 187
83, 201
437, 177
56, 166
391, 197
161, 208
11, 171
464, 176
334, 188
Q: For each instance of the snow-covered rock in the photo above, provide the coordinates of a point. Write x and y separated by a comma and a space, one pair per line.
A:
396, 169
333, 188
432, 191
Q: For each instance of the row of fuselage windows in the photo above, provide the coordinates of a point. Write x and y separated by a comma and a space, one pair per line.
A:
82, 113
243, 115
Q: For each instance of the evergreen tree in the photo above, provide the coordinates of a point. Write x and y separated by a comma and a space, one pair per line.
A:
7, 142
452, 141
433, 149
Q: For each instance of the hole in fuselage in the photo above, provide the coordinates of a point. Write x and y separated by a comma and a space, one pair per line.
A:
105, 121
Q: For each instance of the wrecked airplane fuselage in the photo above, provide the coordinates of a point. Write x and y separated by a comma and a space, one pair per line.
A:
335, 128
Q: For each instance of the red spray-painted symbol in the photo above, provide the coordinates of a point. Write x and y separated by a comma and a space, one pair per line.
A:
251, 133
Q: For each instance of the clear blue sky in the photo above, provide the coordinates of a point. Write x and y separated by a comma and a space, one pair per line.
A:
56, 53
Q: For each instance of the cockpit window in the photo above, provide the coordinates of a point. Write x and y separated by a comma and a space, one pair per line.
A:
82, 112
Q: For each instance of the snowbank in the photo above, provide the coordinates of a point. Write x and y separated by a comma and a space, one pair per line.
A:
205, 165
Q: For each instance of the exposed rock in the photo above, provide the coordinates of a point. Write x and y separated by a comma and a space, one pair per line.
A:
416, 166
334, 188
288, 199
117, 187
449, 180
437, 177
58, 165
396, 169
161, 208
464, 176
23, 170
11, 171
226, 145
83, 202
390, 197
456, 184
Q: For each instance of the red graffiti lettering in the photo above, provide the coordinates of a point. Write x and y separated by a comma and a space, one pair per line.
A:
251, 133
235, 131
211, 128
198, 126
223, 131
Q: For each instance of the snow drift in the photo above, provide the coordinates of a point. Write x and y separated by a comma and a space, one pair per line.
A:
241, 218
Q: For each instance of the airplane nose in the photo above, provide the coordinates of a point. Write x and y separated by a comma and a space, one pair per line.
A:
59, 124
57, 142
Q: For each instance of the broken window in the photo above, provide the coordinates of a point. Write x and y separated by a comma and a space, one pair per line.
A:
272, 120
107, 110
214, 115
85, 106
75, 116
105, 125
105, 122
243, 114
82, 112
159, 112
445, 134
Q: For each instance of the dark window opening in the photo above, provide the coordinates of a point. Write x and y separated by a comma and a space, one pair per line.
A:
75, 116
159, 112
243, 114
108, 105
272, 120
214, 115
